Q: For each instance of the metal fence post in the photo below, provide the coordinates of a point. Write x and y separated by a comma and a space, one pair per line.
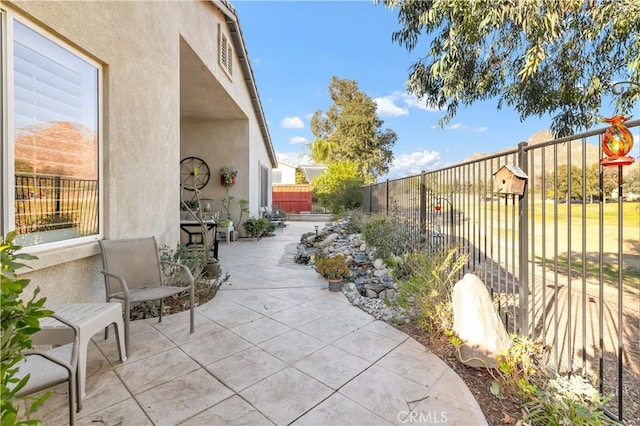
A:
423, 205
387, 197
523, 250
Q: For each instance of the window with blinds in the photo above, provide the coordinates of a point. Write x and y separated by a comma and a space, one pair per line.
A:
55, 139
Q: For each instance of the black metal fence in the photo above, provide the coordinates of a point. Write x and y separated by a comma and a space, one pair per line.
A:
49, 203
561, 261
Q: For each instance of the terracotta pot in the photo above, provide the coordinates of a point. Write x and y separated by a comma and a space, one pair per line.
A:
335, 284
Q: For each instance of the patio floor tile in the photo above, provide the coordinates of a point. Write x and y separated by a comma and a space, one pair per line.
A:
259, 330
286, 395
245, 368
332, 366
366, 344
127, 412
151, 371
215, 347
182, 398
383, 392
232, 411
327, 329
292, 346
340, 411
296, 316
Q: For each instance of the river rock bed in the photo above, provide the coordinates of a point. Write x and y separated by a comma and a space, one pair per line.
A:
370, 287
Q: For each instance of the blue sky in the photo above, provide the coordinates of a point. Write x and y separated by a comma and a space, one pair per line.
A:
296, 47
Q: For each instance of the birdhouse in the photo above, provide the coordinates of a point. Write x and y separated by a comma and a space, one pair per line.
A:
509, 180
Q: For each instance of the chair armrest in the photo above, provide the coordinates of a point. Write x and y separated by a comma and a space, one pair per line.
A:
122, 281
184, 268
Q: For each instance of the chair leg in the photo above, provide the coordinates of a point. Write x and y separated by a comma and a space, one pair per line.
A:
192, 312
126, 326
161, 309
74, 400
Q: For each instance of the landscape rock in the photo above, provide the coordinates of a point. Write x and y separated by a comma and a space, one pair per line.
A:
477, 323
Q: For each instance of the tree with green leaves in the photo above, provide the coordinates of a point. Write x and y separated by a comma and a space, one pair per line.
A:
350, 130
340, 187
537, 56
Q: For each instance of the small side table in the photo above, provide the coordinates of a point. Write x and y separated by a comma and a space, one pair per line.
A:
229, 232
90, 318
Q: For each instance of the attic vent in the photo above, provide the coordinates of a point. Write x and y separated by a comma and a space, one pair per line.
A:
225, 53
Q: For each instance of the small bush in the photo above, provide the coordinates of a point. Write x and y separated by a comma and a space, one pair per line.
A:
356, 220
564, 401
386, 235
255, 227
428, 289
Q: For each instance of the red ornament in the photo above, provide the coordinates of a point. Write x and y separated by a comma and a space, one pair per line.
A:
438, 208
617, 141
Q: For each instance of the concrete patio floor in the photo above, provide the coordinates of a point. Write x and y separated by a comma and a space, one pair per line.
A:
273, 347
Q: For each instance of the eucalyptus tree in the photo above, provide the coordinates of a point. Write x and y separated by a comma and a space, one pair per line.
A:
350, 130
557, 57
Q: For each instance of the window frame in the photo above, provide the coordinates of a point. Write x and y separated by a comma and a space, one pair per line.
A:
7, 142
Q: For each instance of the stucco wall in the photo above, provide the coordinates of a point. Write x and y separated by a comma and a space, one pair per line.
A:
139, 45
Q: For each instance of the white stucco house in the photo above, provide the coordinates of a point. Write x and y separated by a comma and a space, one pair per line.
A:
285, 173
101, 100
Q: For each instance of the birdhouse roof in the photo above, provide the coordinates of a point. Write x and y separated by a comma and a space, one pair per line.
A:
517, 171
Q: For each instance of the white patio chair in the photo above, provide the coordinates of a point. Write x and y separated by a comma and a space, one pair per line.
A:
48, 368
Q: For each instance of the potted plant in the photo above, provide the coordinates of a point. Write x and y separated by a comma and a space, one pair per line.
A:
334, 269
228, 176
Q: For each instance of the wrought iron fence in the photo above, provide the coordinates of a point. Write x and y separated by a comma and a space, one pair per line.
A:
561, 260
48, 203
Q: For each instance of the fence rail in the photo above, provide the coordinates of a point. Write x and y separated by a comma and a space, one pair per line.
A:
561, 261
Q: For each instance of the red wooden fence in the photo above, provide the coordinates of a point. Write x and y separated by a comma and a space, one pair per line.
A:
293, 198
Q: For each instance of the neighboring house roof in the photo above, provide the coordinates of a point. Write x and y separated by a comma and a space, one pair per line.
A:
286, 163
238, 41
312, 171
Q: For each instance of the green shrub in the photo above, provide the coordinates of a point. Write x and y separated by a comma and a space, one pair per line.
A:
387, 236
256, 227
340, 187
192, 257
427, 290
564, 401
19, 321
356, 220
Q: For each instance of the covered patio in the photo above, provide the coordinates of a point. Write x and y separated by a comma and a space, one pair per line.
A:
274, 346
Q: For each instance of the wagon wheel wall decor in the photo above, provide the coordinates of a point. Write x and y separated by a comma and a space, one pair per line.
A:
194, 173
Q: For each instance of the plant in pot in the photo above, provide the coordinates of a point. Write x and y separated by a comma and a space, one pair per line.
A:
228, 176
334, 269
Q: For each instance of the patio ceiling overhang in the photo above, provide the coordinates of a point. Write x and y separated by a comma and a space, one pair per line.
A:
201, 95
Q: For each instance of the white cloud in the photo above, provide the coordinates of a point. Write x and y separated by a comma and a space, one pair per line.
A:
413, 101
388, 108
294, 157
398, 103
456, 126
292, 123
480, 129
298, 139
413, 163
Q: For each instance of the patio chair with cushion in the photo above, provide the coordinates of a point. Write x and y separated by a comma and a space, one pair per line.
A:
51, 367
134, 273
